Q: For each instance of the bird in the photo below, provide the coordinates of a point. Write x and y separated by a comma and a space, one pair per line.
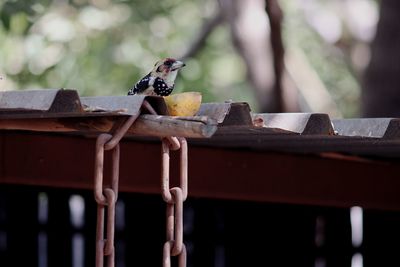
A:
160, 81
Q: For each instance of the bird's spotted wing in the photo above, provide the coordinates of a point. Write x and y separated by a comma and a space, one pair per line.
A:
140, 86
161, 88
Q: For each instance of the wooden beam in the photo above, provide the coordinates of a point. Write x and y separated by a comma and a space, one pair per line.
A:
148, 125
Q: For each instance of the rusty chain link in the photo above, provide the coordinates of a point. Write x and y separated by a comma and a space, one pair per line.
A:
174, 197
107, 197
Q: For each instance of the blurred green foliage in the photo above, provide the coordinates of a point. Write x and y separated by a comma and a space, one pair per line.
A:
331, 61
103, 47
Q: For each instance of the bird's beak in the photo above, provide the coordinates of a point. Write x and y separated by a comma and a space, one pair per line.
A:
177, 65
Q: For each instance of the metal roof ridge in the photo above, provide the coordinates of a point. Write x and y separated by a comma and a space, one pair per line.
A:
301, 123
383, 128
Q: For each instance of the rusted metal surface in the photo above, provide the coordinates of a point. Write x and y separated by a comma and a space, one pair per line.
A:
174, 198
301, 123
223, 173
387, 128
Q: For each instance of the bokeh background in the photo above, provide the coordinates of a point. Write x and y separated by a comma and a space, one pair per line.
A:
280, 56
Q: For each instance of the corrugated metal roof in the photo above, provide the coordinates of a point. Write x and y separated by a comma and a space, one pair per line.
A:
229, 124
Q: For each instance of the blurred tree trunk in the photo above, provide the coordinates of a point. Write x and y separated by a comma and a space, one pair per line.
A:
256, 31
250, 31
275, 16
381, 85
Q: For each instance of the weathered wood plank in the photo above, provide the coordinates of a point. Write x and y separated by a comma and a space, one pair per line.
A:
148, 125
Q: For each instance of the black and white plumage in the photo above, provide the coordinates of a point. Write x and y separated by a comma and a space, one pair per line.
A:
156, 85
160, 81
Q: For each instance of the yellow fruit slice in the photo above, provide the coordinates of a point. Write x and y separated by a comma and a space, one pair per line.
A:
183, 104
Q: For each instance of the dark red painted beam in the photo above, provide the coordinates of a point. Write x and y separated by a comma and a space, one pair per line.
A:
67, 161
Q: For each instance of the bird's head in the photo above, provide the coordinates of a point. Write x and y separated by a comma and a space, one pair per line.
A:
167, 68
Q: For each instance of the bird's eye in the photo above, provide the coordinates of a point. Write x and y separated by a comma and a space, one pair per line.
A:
168, 63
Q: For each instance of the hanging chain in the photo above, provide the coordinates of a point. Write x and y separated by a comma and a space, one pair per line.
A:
105, 197
174, 197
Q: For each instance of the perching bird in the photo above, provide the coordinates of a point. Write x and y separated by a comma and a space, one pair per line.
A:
160, 81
